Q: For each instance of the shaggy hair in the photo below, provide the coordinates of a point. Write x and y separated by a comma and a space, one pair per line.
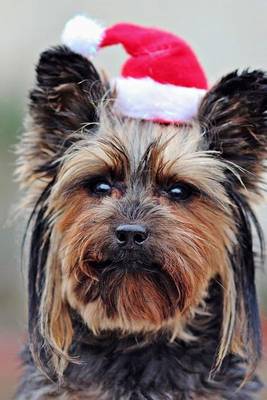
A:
176, 318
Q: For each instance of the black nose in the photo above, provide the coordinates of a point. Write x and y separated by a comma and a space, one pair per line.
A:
131, 234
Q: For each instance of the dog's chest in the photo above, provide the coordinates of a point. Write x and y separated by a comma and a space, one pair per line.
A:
155, 372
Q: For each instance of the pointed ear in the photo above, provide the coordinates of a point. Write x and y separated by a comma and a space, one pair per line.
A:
233, 116
68, 90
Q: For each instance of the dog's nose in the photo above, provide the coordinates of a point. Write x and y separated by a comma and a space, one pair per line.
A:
131, 234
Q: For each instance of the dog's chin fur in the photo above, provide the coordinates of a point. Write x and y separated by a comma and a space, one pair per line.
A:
113, 322
134, 314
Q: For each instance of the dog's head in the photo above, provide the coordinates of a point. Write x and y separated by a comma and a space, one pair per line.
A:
132, 219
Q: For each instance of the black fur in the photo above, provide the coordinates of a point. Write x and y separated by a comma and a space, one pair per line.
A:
39, 248
64, 101
244, 265
234, 119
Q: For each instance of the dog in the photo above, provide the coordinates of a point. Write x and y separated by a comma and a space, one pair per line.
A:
141, 275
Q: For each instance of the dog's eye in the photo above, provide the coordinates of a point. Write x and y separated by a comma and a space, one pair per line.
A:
101, 188
181, 191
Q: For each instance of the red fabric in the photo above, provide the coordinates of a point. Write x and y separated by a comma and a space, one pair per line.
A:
157, 54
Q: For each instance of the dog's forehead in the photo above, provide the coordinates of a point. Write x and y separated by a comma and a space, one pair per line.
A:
129, 150
136, 137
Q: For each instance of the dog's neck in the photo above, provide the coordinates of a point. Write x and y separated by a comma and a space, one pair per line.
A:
156, 366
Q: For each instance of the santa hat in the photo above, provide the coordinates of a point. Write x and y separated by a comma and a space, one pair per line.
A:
162, 80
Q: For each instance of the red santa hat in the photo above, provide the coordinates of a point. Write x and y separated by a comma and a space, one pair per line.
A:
162, 80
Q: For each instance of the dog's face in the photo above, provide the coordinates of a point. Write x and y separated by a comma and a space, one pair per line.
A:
134, 219
142, 223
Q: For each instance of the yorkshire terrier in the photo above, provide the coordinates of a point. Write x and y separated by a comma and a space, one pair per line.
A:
142, 262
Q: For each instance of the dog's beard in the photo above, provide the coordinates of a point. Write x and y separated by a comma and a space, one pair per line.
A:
133, 289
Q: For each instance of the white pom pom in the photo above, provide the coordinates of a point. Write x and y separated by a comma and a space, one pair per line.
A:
83, 35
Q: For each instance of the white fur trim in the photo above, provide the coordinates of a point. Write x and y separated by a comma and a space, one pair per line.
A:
83, 35
147, 99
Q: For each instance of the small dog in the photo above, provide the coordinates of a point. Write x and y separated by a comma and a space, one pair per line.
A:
141, 264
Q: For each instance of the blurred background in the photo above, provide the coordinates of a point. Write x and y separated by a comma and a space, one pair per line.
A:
226, 35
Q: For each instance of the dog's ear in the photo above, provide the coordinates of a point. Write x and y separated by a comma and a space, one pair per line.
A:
233, 116
68, 90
